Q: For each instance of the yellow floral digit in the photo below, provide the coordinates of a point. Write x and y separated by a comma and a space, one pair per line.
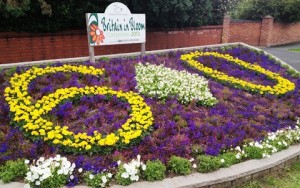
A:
283, 85
29, 115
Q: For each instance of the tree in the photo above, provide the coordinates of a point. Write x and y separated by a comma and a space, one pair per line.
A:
281, 10
56, 15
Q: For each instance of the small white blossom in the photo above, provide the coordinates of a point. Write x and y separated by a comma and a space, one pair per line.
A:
103, 178
124, 175
91, 176
194, 165
144, 167
222, 160
37, 183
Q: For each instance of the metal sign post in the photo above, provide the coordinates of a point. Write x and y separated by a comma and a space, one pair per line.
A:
91, 48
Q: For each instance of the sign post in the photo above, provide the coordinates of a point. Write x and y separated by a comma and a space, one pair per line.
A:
115, 26
91, 48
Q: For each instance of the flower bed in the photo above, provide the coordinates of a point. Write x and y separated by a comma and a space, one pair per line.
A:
179, 111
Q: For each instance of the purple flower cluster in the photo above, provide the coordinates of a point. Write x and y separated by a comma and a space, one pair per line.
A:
239, 116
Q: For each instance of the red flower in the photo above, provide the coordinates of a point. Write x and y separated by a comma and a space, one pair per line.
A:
96, 34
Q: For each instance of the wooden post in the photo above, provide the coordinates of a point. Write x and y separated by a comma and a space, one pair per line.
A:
91, 48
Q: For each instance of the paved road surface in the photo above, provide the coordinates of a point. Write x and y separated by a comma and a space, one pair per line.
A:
283, 53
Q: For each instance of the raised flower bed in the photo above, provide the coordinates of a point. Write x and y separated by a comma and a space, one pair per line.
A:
121, 119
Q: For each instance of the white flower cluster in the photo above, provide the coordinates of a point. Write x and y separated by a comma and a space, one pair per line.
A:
162, 82
275, 141
43, 168
132, 169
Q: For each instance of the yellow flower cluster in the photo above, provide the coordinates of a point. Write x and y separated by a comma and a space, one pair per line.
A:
30, 115
283, 85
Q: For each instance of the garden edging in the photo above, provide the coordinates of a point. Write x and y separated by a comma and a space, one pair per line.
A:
225, 177
232, 176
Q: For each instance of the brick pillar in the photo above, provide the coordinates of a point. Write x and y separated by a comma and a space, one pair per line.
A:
266, 31
226, 26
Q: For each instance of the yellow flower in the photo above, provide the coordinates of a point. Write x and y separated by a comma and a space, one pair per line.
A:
88, 147
56, 141
34, 133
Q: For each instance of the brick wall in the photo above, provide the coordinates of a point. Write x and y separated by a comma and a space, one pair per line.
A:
245, 31
285, 33
261, 33
20, 47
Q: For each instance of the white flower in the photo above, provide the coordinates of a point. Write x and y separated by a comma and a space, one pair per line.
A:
56, 164
144, 167
103, 178
134, 178
109, 175
91, 176
191, 159
57, 157
118, 162
27, 185
238, 156
80, 170
26, 161
194, 165
125, 175
222, 160
60, 171
41, 159
37, 183
72, 177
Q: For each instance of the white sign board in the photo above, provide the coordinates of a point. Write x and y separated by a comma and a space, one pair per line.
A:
116, 26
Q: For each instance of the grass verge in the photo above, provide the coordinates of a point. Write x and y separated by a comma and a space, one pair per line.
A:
287, 178
294, 49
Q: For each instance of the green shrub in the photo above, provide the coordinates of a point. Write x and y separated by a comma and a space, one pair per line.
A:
179, 165
253, 152
13, 170
56, 180
228, 159
155, 170
208, 163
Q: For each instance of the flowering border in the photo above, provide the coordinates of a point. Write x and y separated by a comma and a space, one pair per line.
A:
283, 85
28, 115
